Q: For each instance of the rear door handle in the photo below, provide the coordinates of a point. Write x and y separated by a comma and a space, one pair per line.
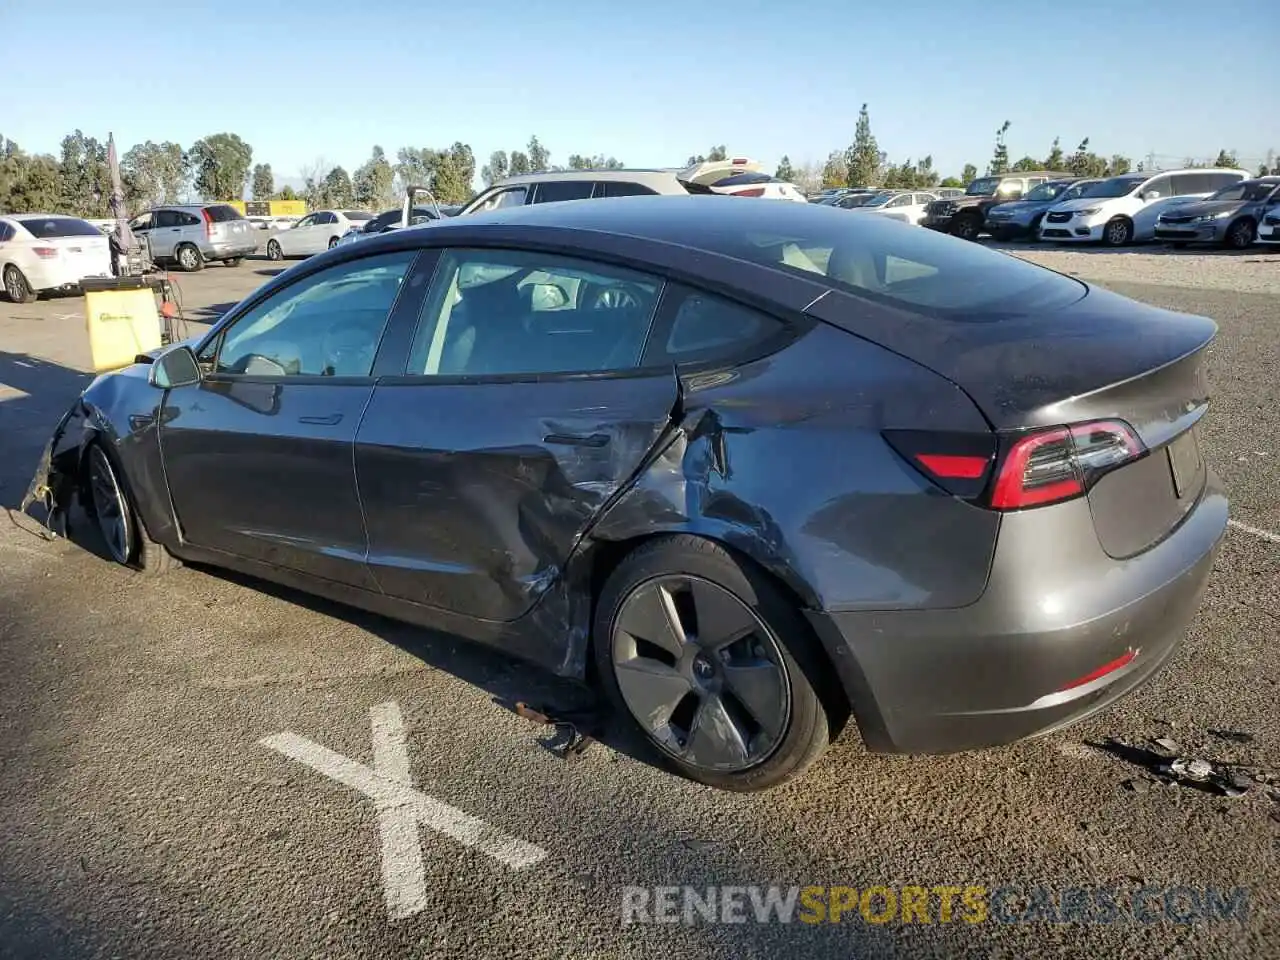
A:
576, 440
332, 420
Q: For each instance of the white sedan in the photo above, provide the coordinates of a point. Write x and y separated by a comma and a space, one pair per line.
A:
314, 233
907, 207
44, 251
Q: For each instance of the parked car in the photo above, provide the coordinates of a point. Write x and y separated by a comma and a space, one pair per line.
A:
907, 206
42, 252
946, 193
193, 235
853, 199
315, 233
534, 188
1229, 217
1020, 219
387, 220
1269, 229
573, 431
761, 185
966, 216
1123, 209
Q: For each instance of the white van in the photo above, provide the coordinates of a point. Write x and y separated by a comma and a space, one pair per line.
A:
1123, 209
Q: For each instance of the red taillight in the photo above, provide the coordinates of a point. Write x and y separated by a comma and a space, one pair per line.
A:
208, 223
1053, 465
952, 467
749, 192
45, 253
958, 462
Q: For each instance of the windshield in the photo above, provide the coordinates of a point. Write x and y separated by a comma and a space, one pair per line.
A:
357, 215
986, 187
1247, 190
47, 228
1115, 187
1047, 191
878, 199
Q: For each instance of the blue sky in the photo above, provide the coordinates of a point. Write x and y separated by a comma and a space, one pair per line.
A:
650, 82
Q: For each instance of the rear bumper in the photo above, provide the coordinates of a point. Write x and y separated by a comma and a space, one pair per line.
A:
1056, 609
59, 276
231, 249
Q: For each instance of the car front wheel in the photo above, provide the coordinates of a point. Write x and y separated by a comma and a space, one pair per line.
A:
273, 250
189, 258
108, 504
712, 663
966, 228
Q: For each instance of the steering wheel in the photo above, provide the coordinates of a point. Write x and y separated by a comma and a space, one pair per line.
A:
616, 297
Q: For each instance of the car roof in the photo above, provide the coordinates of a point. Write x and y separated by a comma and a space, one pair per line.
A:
631, 174
1009, 174
42, 216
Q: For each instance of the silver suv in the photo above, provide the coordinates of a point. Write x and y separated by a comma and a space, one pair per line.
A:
197, 234
584, 185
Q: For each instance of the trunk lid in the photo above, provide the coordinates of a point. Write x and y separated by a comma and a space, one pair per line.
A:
86, 256
1102, 356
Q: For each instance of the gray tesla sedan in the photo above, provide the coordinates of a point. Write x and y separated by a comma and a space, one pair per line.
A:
753, 468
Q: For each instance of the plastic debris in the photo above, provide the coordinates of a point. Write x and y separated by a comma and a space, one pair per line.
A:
1168, 745
568, 743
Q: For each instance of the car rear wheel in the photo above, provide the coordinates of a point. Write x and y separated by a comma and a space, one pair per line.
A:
1239, 235
966, 227
189, 258
1117, 232
273, 250
109, 505
16, 287
713, 663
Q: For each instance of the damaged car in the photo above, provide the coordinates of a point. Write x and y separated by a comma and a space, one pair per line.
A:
753, 469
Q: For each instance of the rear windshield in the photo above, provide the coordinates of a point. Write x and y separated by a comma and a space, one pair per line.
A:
925, 271
222, 212
357, 215
47, 228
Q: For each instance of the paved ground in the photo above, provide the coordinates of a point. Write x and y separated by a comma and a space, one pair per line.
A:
143, 817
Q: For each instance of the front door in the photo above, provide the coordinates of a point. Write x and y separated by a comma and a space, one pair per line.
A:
259, 454
522, 411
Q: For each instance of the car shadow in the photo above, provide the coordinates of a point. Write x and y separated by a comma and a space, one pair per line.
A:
211, 313
271, 271
34, 394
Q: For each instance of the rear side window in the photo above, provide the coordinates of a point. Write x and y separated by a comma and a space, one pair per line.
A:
188, 219
222, 212
623, 188
6, 232
698, 327
47, 228
554, 191
1184, 183
920, 269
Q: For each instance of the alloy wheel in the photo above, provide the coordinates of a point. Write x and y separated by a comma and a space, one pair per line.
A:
109, 506
1240, 235
1117, 233
188, 258
274, 252
14, 285
701, 672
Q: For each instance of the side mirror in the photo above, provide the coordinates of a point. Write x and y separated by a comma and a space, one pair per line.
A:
1151, 195
548, 296
176, 368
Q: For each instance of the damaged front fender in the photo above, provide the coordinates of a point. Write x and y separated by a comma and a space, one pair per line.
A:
54, 481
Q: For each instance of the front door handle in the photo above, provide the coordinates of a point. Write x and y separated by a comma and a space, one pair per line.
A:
332, 420
575, 440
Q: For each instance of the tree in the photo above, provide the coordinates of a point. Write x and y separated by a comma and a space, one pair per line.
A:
336, 188
1000, 157
1024, 164
495, 169
452, 174
313, 175
969, 174
926, 176
264, 182
863, 159
221, 163
714, 154
784, 171
578, 161
1226, 159
539, 156
373, 182
85, 184
808, 178
835, 173
287, 193
27, 182
1086, 163
153, 173
519, 163
1055, 160
951, 182
1118, 165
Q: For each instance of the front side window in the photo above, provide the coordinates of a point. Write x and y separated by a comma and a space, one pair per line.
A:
1113, 187
515, 313
325, 325
307, 221
902, 201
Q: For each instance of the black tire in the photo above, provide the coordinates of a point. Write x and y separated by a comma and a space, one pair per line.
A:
232, 262
132, 546
1240, 235
16, 287
273, 250
189, 258
1033, 231
966, 227
1003, 236
333, 242
1118, 232
793, 659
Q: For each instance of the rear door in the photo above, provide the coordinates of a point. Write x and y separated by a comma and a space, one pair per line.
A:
521, 411
258, 455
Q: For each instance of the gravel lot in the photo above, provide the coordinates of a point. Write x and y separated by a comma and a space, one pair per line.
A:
143, 817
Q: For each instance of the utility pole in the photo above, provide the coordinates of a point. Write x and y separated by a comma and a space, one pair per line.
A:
1151, 162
